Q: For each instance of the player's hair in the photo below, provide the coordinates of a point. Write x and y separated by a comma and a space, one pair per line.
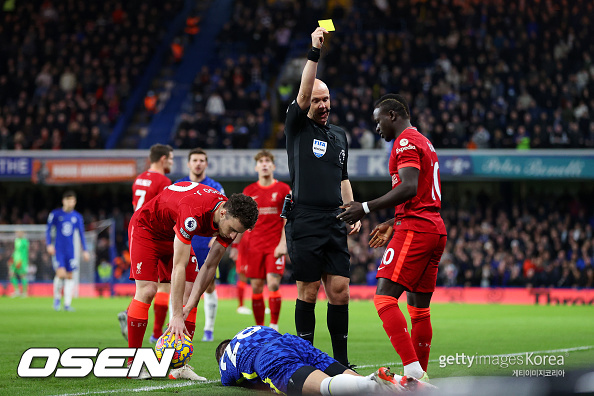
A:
197, 150
68, 194
394, 102
159, 150
221, 350
264, 153
243, 208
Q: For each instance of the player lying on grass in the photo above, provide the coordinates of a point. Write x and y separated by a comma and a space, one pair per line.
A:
260, 357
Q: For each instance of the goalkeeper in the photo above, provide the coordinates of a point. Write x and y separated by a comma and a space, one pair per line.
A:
20, 264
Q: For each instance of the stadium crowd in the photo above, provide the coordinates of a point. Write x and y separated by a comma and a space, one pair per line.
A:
477, 74
68, 67
546, 242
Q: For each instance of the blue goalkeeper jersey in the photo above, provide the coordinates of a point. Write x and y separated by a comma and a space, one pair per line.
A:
65, 223
200, 243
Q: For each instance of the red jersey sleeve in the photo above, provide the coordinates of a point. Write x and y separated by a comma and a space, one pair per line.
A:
185, 224
408, 152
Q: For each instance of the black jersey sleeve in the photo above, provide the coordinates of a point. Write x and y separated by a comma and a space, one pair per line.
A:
295, 120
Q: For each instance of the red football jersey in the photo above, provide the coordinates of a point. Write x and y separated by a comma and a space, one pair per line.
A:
184, 209
147, 186
420, 213
267, 231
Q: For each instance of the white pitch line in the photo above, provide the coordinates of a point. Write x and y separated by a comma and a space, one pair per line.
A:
580, 348
142, 389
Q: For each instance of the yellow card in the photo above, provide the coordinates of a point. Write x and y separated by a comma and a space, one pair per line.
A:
327, 24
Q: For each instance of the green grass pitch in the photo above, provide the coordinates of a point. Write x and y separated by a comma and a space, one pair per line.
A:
457, 328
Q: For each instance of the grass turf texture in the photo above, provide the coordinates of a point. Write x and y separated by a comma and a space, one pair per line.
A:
469, 329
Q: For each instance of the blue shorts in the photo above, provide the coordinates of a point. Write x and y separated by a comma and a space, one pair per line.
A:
201, 257
64, 261
279, 360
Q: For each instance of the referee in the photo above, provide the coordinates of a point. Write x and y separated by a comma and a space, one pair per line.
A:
316, 239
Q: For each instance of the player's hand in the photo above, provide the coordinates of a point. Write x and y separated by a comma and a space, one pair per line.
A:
233, 253
177, 327
51, 250
86, 256
353, 213
355, 228
380, 235
280, 250
317, 37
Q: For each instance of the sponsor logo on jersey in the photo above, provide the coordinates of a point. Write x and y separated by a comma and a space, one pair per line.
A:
190, 223
409, 147
319, 148
67, 229
273, 197
403, 142
268, 210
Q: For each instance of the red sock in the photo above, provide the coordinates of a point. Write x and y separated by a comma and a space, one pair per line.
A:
396, 327
137, 320
274, 302
191, 322
240, 291
258, 308
421, 333
160, 306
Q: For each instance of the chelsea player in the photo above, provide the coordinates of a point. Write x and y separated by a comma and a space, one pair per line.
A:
65, 220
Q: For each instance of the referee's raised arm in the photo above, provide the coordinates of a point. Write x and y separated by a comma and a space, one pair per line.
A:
309, 71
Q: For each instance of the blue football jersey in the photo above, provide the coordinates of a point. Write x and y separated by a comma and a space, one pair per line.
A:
199, 242
65, 224
238, 362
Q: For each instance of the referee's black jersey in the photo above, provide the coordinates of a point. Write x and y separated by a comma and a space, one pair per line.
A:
318, 157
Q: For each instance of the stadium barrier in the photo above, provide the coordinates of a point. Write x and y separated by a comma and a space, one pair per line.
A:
101, 166
458, 295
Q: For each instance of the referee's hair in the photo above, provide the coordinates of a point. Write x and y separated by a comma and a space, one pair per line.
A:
394, 102
243, 208
221, 350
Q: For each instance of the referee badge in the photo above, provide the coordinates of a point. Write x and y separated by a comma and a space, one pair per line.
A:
319, 147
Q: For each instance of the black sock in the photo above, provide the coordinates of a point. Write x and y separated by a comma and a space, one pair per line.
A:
305, 319
338, 326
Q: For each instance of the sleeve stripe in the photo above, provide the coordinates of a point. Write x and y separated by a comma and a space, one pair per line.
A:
181, 238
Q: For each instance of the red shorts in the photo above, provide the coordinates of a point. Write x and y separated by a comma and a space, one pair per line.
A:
152, 260
261, 263
411, 259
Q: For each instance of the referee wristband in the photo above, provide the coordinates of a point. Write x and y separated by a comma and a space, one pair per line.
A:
314, 54
365, 207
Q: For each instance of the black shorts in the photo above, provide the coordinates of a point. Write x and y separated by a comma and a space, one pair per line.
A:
317, 244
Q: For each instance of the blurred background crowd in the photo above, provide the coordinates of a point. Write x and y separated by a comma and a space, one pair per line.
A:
477, 74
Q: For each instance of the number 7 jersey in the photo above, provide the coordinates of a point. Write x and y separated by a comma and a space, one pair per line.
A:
420, 213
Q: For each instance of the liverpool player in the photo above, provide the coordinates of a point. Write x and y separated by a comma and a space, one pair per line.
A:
160, 235
197, 164
265, 258
419, 236
146, 187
